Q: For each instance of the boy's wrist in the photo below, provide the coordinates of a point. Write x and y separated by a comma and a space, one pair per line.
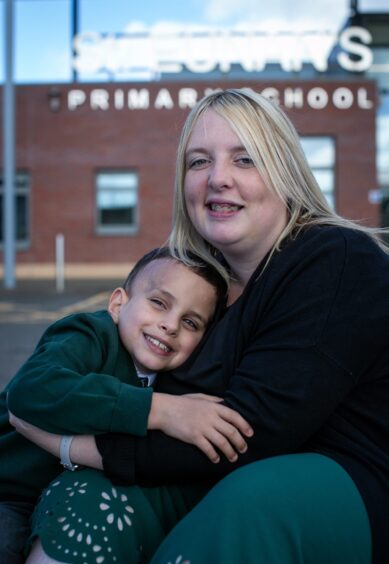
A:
156, 411
64, 451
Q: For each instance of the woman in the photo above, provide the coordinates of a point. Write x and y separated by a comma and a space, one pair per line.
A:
301, 353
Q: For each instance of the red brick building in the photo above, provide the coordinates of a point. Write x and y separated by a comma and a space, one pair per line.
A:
96, 162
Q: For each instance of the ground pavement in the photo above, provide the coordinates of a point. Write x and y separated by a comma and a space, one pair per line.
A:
27, 310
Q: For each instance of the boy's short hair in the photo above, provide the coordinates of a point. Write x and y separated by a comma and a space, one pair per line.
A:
201, 268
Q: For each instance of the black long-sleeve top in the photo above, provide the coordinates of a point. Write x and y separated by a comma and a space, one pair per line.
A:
303, 355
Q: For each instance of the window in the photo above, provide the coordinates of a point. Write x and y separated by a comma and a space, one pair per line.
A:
320, 152
117, 202
383, 158
22, 193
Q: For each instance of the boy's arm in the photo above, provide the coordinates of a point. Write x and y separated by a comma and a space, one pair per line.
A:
196, 419
67, 386
82, 449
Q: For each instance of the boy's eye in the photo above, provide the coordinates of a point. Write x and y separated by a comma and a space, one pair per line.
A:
191, 324
158, 303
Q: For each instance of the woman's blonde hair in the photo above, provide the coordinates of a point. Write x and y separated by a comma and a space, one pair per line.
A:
272, 142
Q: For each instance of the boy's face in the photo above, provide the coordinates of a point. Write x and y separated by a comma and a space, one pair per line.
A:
165, 316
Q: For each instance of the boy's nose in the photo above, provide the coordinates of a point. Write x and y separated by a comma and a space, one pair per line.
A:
169, 327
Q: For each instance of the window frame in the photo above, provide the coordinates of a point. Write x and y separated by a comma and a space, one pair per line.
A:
116, 229
331, 196
24, 190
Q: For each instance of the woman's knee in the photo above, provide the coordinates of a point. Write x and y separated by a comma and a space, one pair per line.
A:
287, 509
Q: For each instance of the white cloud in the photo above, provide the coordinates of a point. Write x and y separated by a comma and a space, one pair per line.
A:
216, 10
329, 14
135, 27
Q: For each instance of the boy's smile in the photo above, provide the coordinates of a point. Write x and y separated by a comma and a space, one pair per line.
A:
165, 315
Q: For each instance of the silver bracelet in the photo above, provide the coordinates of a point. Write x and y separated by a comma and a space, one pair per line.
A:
64, 453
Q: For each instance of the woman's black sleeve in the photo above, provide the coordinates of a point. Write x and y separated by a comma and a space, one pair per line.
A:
160, 459
305, 351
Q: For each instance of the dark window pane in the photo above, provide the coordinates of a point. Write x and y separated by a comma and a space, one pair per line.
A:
21, 218
117, 216
21, 212
21, 207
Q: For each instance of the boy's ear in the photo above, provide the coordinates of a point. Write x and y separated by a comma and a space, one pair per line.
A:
118, 298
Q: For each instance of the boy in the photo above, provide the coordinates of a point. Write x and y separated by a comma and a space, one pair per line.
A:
90, 374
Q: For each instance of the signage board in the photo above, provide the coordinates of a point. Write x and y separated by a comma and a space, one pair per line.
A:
291, 97
151, 54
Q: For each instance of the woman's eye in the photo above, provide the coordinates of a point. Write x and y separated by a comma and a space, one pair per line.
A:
197, 163
245, 161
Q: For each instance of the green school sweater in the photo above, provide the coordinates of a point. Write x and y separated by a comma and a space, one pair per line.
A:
79, 380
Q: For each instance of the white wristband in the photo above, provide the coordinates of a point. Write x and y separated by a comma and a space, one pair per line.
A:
64, 453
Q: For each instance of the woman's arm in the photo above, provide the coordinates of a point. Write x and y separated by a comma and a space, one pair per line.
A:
197, 419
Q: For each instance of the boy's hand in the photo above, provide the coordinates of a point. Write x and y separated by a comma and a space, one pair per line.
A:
44, 439
201, 420
203, 397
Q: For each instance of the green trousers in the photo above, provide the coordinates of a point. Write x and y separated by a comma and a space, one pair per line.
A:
82, 518
292, 509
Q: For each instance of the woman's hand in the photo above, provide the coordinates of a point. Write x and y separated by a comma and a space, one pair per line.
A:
83, 449
201, 420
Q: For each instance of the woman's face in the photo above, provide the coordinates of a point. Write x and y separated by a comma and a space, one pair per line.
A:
227, 200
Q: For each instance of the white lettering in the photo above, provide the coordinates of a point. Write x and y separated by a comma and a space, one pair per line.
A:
271, 94
343, 98
75, 99
209, 91
359, 49
318, 47
119, 99
363, 102
163, 100
146, 55
288, 51
138, 99
99, 99
293, 98
187, 97
89, 52
253, 56
317, 98
200, 66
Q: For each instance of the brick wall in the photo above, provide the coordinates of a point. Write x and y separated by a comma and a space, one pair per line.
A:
62, 150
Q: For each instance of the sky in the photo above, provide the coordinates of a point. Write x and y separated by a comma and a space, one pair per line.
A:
42, 28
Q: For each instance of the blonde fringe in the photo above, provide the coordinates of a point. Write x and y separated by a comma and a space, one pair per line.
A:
273, 143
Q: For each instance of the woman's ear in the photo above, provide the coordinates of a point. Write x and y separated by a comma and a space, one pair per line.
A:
118, 298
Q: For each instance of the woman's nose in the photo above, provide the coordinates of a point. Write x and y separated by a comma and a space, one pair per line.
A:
219, 177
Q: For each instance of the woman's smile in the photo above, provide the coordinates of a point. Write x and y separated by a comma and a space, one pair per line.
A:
221, 209
227, 200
